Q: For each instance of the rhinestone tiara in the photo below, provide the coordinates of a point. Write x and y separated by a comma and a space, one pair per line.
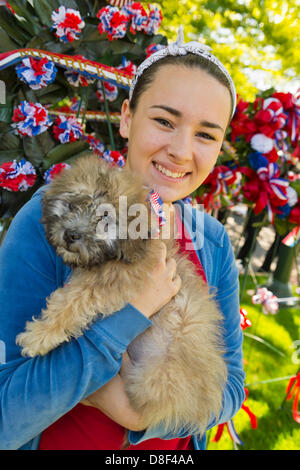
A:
179, 47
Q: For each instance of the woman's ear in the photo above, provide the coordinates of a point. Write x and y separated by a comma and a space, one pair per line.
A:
125, 119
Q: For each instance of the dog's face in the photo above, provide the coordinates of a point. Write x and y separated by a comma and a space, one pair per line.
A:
82, 212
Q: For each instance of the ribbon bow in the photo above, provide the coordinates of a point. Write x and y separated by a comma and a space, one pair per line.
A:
268, 300
291, 105
271, 117
230, 426
265, 188
219, 179
179, 47
293, 390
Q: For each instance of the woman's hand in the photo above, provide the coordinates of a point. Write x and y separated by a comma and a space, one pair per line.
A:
160, 286
113, 401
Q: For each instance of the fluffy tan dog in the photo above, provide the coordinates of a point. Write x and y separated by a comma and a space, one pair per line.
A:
178, 371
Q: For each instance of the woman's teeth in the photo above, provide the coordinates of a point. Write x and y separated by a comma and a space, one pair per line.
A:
168, 172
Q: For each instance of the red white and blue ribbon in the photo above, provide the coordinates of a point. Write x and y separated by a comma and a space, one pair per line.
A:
17, 176
67, 129
36, 73
230, 425
67, 24
118, 76
265, 188
6, 4
118, 3
31, 119
54, 170
157, 206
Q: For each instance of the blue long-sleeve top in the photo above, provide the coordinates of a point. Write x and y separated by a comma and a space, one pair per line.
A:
35, 392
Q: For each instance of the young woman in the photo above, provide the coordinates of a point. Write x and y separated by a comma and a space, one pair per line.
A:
180, 104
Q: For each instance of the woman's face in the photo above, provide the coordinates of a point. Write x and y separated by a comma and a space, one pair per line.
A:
176, 132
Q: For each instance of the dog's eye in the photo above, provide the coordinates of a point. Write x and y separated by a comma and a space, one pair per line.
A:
71, 206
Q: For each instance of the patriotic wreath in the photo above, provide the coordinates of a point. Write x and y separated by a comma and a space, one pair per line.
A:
114, 21
30, 119
67, 24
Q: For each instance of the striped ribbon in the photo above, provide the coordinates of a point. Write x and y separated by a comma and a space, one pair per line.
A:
89, 115
156, 205
119, 3
78, 64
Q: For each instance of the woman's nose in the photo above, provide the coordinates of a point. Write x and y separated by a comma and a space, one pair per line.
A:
181, 146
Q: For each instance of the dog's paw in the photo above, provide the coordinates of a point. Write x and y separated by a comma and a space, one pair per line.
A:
38, 339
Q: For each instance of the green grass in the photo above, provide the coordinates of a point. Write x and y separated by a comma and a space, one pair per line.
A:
276, 428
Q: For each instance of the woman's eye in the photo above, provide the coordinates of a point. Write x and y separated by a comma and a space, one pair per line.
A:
204, 135
163, 122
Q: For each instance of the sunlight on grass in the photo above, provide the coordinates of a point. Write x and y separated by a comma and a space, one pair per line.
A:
276, 428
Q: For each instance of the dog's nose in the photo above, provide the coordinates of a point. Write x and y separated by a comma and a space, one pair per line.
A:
71, 236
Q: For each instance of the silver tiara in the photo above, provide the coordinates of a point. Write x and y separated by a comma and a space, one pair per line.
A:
180, 48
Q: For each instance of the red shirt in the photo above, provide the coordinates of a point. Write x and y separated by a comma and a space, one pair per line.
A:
87, 428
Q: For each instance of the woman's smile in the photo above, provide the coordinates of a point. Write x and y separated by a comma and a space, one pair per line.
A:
170, 175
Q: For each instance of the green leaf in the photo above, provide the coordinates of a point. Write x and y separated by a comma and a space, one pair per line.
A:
44, 10
62, 152
265, 343
90, 33
9, 141
11, 202
6, 112
7, 43
25, 11
9, 155
37, 147
296, 186
281, 226
12, 27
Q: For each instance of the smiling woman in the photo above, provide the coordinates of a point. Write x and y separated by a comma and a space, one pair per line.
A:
180, 103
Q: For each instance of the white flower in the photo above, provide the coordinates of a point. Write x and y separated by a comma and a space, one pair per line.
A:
261, 143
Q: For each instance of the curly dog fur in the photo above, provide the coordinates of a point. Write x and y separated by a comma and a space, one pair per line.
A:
177, 371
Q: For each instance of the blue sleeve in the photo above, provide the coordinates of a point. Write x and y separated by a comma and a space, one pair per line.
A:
228, 299
35, 392
227, 296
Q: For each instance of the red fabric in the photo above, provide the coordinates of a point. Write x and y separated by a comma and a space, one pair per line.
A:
87, 428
